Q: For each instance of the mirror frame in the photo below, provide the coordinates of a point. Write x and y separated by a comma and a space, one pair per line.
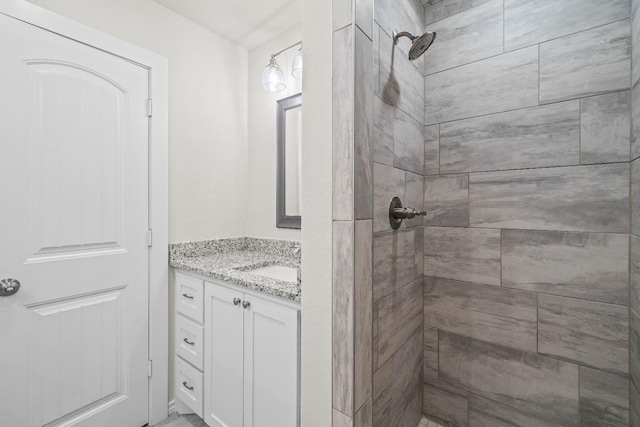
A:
282, 219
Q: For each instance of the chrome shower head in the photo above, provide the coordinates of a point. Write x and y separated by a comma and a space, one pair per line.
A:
420, 43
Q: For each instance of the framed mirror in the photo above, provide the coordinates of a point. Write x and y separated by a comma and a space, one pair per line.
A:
289, 118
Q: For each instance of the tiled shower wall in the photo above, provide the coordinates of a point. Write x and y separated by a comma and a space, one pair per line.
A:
526, 245
634, 311
378, 153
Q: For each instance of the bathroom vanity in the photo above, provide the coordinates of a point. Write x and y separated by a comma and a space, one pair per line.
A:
237, 331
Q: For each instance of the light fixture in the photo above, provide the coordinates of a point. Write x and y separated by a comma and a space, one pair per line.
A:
273, 76
296, 68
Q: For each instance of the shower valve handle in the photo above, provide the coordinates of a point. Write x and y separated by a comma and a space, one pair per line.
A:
406, 213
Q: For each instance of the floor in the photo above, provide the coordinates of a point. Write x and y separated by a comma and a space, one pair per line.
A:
176, 420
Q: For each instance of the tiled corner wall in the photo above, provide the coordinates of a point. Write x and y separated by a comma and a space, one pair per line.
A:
378, 152
352, 213
634, 310
528, 318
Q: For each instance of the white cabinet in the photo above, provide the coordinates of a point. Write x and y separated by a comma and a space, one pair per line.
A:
240, 367
252, 353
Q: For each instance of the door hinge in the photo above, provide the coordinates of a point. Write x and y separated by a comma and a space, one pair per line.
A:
149, 107
150, 372
149, 237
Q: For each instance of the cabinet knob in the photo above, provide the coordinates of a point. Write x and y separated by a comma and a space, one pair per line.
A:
246, 304
236, 301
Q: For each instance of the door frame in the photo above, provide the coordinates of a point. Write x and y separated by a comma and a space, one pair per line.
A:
158, 179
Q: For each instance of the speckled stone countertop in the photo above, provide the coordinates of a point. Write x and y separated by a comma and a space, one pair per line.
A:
229, 260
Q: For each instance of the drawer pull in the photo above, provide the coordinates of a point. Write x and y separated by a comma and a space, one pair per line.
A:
187, 296
184, 383
188, 342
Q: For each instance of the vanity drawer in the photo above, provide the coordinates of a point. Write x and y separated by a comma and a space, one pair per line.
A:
189, 341
189, 386
189, 298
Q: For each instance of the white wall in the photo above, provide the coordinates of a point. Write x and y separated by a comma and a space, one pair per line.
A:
207, 110
261, 186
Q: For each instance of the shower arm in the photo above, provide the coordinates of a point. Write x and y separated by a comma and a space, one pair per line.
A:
397, 35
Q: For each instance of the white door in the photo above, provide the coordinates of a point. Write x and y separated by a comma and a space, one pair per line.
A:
224, 379
270, 364
73, 223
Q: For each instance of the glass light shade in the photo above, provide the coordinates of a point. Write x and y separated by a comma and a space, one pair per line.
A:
273, 77
297, 65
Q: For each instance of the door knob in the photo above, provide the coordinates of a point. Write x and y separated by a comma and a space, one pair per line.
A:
9, 287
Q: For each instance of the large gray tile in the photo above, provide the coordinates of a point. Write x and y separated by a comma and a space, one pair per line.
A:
488, 313
487, 413
398, 318
445, 8
446, 200
634, 348
432, 150
343, 126
188, 420
364, 416
592, 266
634, 254
402, 16
383, 116
394, 263
401, 83
364, 17
502, 83
604, 399
363, 301
447, 404
342, 318
430, 357
634, 415
528, 22
342, 13
635, 121
397, 387
605, 121
466, 37
591, 333
408, 143
465, 254
580, 198
635, 33
341, 420
635, 197
363, 127
418, 244
387, 183
414, 198
538, 385
586, 63
529, 138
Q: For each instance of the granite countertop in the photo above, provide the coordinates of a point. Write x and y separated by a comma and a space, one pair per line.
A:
229, 260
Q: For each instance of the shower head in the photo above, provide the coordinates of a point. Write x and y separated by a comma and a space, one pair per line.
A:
420, 43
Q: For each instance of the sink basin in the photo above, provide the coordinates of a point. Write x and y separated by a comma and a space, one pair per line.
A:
278, 272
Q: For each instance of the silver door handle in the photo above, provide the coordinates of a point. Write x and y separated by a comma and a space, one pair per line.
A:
246, 304
236, 301
9, 287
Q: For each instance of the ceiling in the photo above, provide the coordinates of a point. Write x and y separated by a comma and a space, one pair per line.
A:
247, 23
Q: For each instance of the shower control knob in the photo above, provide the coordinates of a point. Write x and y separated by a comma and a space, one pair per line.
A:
397, 213
9, 287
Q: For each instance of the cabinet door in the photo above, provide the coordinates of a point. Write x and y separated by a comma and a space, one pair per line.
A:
270, 364
223, 357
